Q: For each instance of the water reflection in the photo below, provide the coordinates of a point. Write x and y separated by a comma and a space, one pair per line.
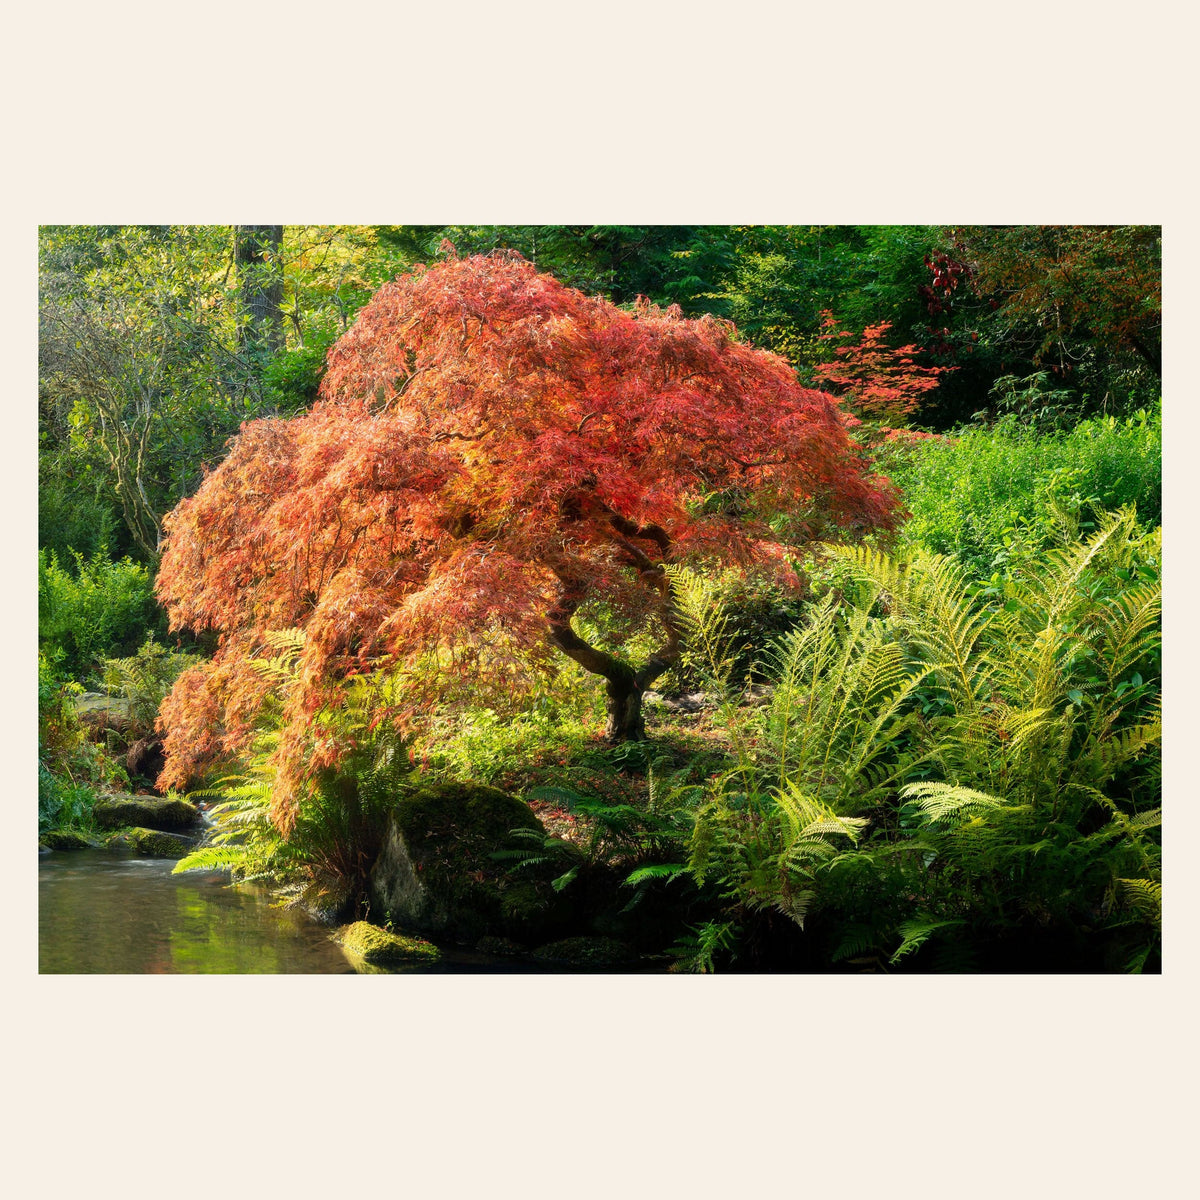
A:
109, 912
105, 912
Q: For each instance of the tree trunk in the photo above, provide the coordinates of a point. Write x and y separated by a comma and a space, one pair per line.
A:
624, 706
624, 685
256, 251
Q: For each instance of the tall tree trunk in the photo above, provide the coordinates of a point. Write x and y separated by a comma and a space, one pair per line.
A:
256, 252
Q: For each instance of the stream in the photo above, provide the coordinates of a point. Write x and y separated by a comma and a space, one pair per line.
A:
111, 912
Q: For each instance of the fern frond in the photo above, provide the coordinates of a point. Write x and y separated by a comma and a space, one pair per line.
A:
928, 595
213, 858
916, 933
561, 796
1145, 897
940, 801
664, 871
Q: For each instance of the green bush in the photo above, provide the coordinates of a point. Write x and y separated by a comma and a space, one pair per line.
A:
988, 496
73, 516
100, 609
484, 746
70, 768
293, 377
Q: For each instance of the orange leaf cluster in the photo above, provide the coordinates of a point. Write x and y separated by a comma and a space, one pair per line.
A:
878, 381
487, 442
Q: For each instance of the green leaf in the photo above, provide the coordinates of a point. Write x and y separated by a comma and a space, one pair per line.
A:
564, 880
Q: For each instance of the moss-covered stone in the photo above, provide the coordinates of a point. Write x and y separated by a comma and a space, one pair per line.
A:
378, 948
586, 952
438, 870
151, 843
67, 839
145, 812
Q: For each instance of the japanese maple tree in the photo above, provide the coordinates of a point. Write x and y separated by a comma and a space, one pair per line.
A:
490, 450
879, 381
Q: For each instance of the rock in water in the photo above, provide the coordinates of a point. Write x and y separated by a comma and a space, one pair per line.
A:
152, 843
378, 948
67, 839
147, 812
587, 952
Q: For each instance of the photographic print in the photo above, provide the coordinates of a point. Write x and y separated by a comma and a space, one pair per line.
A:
605, 599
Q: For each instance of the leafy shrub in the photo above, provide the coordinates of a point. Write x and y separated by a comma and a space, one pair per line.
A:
63, 803
339, 816
485, 746
988, 496
144, 680
99, 609
292, 377
1032, 402
70, 768
72, 516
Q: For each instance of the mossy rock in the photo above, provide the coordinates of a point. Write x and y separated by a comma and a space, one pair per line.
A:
152, 843
437, 871
98, 714
145, 812
378, 948
585, 952
68, 839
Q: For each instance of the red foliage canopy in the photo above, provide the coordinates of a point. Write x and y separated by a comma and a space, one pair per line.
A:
489, 449
879, 382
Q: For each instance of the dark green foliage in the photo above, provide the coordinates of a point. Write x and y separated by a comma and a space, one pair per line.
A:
70, 768
76, 514
63, 802
671, 264
585, 953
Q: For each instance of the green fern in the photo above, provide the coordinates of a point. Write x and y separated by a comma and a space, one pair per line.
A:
917, 932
